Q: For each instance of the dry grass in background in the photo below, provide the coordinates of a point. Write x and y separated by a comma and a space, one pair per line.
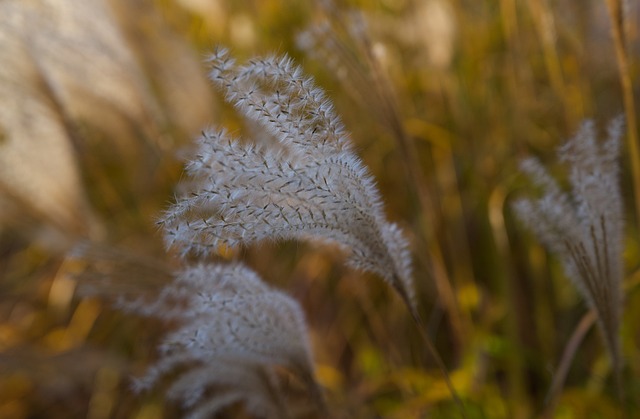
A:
101, 99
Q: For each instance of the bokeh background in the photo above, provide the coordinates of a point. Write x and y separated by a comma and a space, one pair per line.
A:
100, 100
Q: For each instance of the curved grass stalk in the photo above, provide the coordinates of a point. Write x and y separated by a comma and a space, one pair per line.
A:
616, 16
585, 324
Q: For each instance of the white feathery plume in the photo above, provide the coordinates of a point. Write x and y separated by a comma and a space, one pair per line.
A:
205, 389
585, 229
311, 186
233, 329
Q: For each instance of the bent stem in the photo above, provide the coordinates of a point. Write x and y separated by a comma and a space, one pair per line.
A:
569, 353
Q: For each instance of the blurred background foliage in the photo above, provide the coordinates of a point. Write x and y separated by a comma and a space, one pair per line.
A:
99, 100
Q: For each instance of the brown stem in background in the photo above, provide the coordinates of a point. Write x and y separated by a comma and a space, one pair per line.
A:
518, 400
587, 321
617, 32
433, 351
565, 362
378, 91
616, 16
543, 20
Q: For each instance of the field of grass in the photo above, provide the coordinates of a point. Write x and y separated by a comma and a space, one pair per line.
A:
443, 99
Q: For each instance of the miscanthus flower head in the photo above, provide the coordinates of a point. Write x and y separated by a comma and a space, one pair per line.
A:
584, 228
232, 330
304, 184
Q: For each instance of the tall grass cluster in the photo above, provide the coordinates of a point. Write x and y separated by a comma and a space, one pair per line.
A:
348, 209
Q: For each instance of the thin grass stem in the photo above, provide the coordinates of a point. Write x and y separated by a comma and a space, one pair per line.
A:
617, 32
569, 353
422, 330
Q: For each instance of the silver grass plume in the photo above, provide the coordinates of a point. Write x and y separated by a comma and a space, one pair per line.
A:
307, 184
584, 229
232, 330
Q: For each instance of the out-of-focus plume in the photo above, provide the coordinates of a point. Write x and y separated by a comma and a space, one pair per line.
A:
71, 79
